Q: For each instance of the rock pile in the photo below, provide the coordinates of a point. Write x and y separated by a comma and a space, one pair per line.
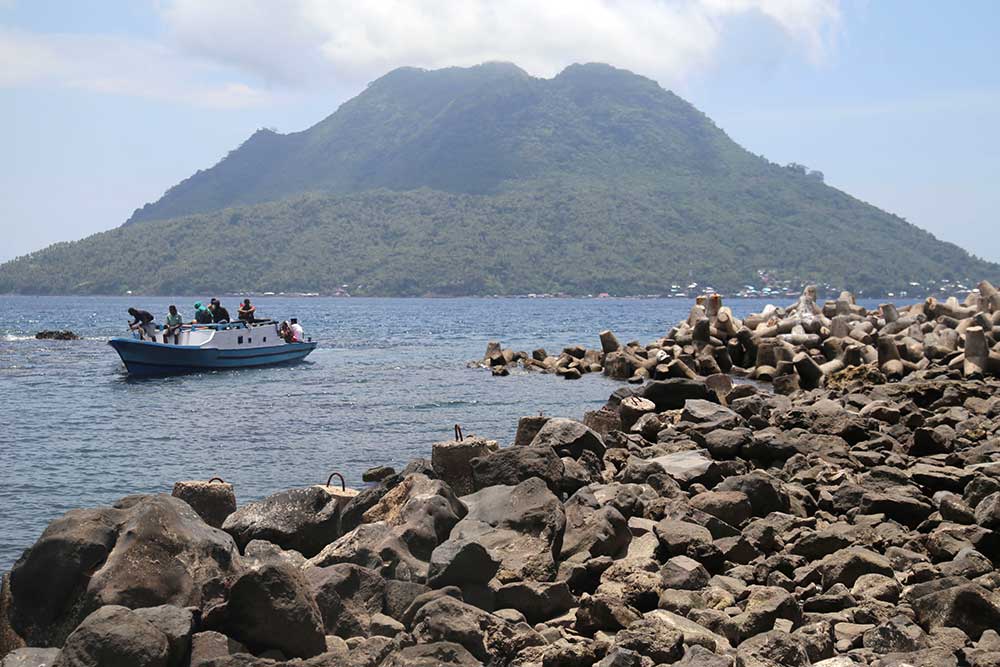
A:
832, 527
803, 346
56, 335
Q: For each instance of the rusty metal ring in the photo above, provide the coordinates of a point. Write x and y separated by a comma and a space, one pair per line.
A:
219, 479
343, 486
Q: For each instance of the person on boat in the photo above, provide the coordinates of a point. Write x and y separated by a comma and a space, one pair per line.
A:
219, 313
143, 322
173, 325
296, 330
247, 311
285, 332
202, 315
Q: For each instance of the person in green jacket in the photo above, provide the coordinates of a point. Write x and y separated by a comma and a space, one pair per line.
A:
173, 324
202, 315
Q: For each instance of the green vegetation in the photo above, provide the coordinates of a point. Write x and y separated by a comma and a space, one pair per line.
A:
488, 181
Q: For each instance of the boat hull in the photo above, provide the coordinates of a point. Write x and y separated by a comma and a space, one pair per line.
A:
144, 358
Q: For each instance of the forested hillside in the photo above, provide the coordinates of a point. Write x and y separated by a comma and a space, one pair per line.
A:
486, 180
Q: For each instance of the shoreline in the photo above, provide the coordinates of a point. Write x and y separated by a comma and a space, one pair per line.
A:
686, 520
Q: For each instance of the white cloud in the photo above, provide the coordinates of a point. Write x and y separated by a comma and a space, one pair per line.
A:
235, 53
314, 42
122, 66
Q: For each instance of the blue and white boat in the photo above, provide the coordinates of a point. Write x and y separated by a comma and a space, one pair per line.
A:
201, 347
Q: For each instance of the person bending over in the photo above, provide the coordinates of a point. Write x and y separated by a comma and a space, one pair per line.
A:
202, 315
143, 323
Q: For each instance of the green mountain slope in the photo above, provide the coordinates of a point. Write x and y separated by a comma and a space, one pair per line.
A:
485, 180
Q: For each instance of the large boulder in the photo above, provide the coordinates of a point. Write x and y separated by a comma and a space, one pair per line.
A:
538, 601
593, 528
968, 607
347, 596
653, 638
272, 607
763, 491
143, 551
513, 465
568, 438
521, 526
176, 624
400, 530
846, 565
452, 460
673, 393
30, 657
434, 654
485, 636
213, 501
304, 519
461, 562
115, 636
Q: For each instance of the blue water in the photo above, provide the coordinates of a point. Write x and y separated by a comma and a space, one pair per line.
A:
388, 379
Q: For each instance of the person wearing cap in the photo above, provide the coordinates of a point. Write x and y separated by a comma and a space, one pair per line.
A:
296, 330
201, 314
219, 314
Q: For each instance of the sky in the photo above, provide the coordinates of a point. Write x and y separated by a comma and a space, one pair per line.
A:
106, 104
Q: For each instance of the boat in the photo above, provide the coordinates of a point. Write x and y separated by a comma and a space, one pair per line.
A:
202, 347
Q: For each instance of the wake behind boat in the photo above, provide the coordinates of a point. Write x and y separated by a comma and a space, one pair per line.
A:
198, 347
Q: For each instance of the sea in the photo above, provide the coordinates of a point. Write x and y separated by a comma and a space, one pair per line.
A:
389, 378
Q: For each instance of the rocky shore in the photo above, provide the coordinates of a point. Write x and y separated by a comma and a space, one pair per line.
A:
689, 521
801, 346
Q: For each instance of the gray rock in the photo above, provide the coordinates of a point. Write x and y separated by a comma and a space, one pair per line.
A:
452, 460
592, 528
271, 607
603, 612
304, 519
143, 551
568, 438
538, 601
513, 465
772, 648
652, 638
433, 654
176, 624
460, 562
114, 636
968, 607
897, 635
762, 490
521, 526
846, 565
213, 501
30, 657
209, 645
347, 595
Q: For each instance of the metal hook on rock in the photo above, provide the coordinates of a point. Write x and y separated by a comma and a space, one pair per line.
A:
458, 433
343, 486
217, 479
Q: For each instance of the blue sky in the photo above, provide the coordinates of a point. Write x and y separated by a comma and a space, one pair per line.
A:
104, 105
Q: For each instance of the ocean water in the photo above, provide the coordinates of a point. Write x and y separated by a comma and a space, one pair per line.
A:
388, 379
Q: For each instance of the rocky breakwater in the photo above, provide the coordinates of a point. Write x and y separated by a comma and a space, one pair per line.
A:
845, 526
805, 345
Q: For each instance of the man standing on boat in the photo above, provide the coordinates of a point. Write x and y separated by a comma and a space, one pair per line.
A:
143, 322
296, 329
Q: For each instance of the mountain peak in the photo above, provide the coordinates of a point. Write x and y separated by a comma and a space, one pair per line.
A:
627, 183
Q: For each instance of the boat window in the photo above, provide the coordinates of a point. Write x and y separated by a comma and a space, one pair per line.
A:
265, 339
249, 340
239, 340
